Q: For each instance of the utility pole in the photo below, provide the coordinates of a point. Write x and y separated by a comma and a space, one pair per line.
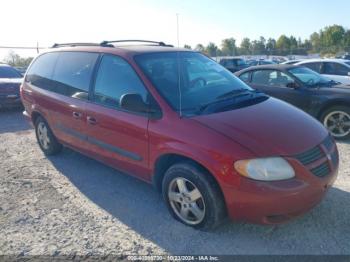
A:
177, 29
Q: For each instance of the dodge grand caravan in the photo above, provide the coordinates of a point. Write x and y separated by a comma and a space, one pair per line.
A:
212, 145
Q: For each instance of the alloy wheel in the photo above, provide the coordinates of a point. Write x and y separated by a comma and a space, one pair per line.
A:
186, 201
338, 123
43, 137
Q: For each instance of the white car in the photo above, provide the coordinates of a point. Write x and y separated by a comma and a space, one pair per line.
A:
335, 69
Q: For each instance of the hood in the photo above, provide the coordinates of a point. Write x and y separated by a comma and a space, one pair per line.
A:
11, 80
270, 128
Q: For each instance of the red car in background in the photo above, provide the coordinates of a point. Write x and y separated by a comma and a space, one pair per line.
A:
10, 81
212, 145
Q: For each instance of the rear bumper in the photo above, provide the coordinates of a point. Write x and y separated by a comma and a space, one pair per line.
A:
275, 202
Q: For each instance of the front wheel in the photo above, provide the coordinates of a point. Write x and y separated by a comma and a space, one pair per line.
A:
193, 196
337, 120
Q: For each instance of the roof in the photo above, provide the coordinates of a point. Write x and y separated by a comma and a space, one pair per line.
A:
324, 60
269, 67
120, 49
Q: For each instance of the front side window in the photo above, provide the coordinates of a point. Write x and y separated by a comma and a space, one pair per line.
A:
116, 78
73, 73
271, 78
40, 72
308, 76
335, 69
189, 80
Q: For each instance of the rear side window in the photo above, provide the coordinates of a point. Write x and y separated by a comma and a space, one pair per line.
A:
314, 66
116, 78
73, 73
40, 72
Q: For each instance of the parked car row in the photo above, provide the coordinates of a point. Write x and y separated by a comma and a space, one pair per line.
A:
212, 145
324, 99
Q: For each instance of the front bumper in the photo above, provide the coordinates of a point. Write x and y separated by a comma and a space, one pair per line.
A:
10, 100
278, 201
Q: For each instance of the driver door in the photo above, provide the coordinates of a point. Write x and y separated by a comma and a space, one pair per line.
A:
280, 85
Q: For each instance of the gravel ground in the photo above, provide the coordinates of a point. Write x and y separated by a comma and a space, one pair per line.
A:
70, 204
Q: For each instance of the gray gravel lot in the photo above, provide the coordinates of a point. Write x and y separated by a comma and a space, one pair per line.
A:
70, 204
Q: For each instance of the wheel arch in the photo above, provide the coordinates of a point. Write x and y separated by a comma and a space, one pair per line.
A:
330, 104
165, 161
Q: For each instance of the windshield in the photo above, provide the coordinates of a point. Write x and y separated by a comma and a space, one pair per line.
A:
201, 80
9, 72
241, 62
309, 77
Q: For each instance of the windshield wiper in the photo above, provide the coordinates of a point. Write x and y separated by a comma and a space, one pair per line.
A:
221, 99
234, 93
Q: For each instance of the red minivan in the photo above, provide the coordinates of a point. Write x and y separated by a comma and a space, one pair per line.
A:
213, 146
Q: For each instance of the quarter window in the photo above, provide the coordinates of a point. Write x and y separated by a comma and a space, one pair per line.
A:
116, 78
73, 73
40, 72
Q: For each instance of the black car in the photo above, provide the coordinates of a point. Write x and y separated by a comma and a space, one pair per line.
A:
233, 64
325, 99
10, 81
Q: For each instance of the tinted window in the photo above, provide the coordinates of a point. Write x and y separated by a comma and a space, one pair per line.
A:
73, 73
40, 72
314, 66
115, 78
245, 77
9, 72
271, 78
335, 69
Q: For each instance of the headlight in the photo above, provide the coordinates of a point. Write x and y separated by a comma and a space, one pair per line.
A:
266, 169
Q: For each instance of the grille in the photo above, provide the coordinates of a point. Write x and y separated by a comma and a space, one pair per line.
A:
316, 153
310, 156
322, 170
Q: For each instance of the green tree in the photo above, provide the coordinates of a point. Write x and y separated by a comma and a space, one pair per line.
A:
212, 49
283, 45
200, 48
332, 38
271, 46
245, 47
228, 47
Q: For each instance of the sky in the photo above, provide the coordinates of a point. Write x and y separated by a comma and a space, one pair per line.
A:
28, 22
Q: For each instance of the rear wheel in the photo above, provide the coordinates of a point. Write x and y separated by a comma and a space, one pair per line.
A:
337, 120
193, 196
46, 139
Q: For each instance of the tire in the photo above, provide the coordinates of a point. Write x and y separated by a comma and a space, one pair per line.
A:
337, 120
46, 139
205, 210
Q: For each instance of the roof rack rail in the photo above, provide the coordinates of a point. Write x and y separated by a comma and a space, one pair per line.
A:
74, 44
108, 43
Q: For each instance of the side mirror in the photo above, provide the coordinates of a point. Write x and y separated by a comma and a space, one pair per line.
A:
135, 103
292, 85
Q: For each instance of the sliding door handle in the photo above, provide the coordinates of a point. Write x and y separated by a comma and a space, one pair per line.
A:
77, 115
91, 120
